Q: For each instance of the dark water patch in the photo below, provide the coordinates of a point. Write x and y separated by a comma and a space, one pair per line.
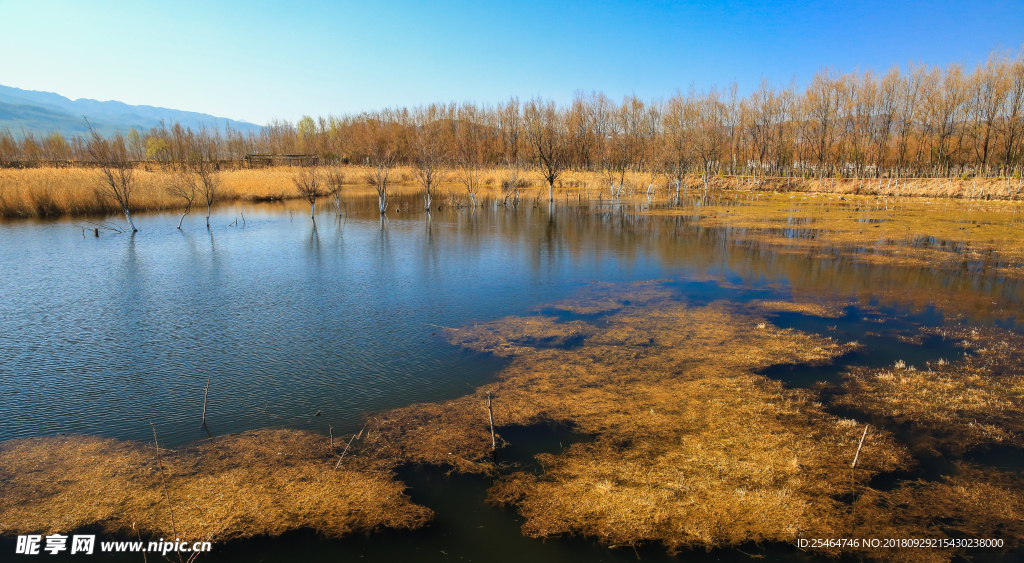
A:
1003, 458
878, 351
700, 293
523, 443
884, 339
552, 342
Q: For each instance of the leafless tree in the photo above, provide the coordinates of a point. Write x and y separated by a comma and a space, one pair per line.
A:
510, 186
383, 155
430, 151
546, 134
335, 181
309, 184
185, 188
117, 171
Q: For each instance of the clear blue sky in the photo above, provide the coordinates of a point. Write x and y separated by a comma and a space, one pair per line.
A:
257, 60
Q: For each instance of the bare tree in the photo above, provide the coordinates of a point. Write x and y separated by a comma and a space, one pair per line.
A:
510, 186
430, 151
202, 161
678, 130
546, 135
185, 188
308, 182
117, 171
383, 155
335, 181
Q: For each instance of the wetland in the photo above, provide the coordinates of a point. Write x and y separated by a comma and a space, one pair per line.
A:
670, 379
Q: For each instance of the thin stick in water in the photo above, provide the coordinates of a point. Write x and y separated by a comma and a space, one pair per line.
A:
490, 416
206, 396
856, 457
347, 446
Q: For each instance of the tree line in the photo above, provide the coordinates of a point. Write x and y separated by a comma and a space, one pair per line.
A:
921, 121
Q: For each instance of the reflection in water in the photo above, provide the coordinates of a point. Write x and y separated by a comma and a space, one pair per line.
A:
139, 322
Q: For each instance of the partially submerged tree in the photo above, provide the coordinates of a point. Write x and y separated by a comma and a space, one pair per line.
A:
184, 187
430, 150
510, 186
309, 184
203, 163
117, 171
383, 155
546, 135
335, 181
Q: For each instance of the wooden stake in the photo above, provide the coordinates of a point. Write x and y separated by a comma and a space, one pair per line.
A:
206, 396
490, 416
856, 457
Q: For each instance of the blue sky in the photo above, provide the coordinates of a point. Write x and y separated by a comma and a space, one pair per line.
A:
257, 60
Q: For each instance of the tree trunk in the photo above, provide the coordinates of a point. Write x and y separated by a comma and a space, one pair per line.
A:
128, 215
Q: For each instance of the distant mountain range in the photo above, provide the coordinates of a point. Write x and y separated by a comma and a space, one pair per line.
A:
43, 112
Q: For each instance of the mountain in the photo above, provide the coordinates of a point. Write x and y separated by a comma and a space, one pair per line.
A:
43, 112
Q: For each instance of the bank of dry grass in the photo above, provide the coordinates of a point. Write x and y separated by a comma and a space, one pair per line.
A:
816, 309
258, 483
43, 192
50, 192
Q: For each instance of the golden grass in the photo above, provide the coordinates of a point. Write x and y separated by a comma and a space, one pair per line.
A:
691, 448
914, 233
45, 192
975, 503
824, 309
971, 401
40, 192
257, 483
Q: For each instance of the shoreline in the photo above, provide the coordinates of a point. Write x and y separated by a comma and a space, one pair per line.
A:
53, 192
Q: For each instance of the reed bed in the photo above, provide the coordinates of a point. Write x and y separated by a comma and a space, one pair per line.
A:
48, 192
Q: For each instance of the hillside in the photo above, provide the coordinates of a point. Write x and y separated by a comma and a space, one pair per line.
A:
43, 112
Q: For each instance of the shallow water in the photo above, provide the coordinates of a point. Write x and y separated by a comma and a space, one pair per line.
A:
314, 326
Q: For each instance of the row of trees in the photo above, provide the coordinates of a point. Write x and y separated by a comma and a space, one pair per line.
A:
922, 121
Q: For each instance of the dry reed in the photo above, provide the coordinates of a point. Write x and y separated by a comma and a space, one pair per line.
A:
258, 483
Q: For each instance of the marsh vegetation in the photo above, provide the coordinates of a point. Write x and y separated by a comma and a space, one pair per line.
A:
637, 273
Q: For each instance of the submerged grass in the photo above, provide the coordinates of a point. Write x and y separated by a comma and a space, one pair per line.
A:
947, 234
691, 448
961, 403
257, 483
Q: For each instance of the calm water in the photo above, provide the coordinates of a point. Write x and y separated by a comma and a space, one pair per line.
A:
103, 335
